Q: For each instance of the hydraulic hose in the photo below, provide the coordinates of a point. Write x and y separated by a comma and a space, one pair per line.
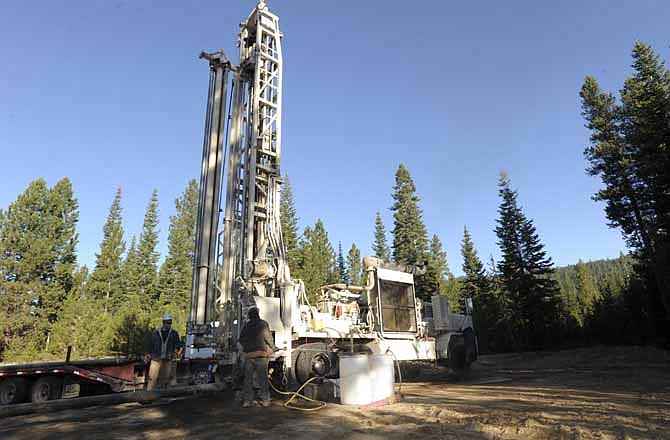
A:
295, 394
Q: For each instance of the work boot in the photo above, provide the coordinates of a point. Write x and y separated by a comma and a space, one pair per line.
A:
265, 403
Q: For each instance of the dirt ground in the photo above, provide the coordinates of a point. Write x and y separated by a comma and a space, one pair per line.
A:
599, 393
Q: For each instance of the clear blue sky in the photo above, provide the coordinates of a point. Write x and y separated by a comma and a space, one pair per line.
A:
111, 93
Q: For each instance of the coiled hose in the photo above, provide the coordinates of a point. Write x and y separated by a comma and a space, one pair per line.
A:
296, 394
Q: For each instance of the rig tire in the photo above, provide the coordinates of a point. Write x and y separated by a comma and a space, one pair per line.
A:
46, 388
13, 390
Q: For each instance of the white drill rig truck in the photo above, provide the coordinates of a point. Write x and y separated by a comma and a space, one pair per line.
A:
240, 259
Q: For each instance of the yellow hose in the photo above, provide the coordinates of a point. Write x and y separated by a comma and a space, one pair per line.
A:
295, 394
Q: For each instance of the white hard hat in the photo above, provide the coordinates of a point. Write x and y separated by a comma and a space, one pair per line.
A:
167, 317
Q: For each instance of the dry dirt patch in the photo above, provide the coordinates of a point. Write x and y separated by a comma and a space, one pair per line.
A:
602, 393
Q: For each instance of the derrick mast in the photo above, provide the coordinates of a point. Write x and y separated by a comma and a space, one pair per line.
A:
254, 271
250, 266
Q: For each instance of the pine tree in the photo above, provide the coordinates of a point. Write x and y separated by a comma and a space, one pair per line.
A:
409, 231
37, 263
63, 209
106, 279
130, 274
473, 269
587, 294
289, 223
147, 257
628, 151
140, 299
83, 323
132, 318
341, 265
355, 266
476, 284
317, 265
176, 273
438, 279
525, 271
379, 247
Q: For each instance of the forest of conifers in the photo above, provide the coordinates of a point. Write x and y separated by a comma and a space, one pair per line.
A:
521, 301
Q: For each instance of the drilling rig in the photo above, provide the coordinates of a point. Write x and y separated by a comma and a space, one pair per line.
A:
240, 259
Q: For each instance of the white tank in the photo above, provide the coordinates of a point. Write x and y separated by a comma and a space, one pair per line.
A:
355, 383
382, 376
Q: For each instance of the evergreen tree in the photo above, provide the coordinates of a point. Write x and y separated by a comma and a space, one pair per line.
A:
289, 223
37, 263
106, 279
355, 266
133, 319
438, 279
486, 315
409, 231
83, 323
131, 323
317, 266
587, 293
130, 267
473, 269
144, 285
525, 271
379, 247
628, 151
63, 212
341, 265
176, 273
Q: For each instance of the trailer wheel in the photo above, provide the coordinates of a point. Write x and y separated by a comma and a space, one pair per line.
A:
46, 388
13, 390
201, 375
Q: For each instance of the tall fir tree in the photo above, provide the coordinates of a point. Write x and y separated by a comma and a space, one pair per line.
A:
146, 257
473, 284
628, 151
380, 247
64, 212
342, 265
409, 231
176, 273
438, 279
37, 263
317, 265
289, 223
525, 271
355, 265
476, 284
141, 293
106, 280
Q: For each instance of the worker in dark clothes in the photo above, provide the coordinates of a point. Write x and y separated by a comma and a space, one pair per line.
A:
163, 352
257, 346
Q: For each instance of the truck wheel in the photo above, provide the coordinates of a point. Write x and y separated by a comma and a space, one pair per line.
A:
13, 390
46, 388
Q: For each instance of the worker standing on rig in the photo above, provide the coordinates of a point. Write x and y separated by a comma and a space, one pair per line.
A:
257, 346
163, 352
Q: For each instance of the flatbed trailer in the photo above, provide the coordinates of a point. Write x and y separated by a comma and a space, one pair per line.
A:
40, 382
44, 381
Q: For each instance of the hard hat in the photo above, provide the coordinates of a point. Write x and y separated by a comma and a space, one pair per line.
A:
167, 317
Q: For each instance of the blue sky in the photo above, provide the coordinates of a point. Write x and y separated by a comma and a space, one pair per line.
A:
111, 93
